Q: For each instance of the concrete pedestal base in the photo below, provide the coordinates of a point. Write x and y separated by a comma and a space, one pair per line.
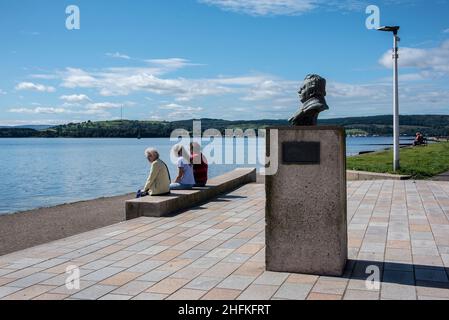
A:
306, 210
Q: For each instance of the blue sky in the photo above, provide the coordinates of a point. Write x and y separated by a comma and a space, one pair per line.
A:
229, 59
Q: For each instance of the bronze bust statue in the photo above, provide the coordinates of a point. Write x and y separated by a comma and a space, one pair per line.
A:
312, 95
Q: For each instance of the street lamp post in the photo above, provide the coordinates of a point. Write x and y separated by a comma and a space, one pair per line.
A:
396, 157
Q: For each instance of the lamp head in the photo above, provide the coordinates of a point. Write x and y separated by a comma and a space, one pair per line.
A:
393, 29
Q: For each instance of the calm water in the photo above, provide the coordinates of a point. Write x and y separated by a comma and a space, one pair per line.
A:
38, 173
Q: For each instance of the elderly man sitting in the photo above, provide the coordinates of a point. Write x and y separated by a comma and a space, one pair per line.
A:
158, 182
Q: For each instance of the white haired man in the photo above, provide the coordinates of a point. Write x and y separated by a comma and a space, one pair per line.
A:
158, 182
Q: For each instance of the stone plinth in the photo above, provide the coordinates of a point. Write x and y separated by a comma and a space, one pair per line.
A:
306, 205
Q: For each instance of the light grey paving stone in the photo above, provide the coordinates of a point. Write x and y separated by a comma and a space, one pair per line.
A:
130, 261
154, 250
293, 291
432, 289
205, 262
431, 298
236, 282
430, 244
150, 296
237, 258
119, 255
117, 297
146, 266
94, 292
102, 274
155, 275
25, 263
141, 246
271, 278
6, 291
69, 292
133, 288
421, 236
361, 295
425, 251
31, 280
97, 264
189, 273
361, 285
193, 254
233, 243
335, 286
203, 283
258, 292
5, 272
445, 258
219, 253
51, 263
394, 291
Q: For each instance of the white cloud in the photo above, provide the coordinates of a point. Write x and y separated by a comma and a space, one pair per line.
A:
118, 55
99, 108
75, 98
103, 106
346, 90
271, 89
178, 111
39, 110
44, 76
435, 60
52, 110
34, 87
264, 7
2, 92
181, 108
171, 64
123, 81
283, 7
36, 122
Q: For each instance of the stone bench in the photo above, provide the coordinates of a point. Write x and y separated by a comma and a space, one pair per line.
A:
178, 200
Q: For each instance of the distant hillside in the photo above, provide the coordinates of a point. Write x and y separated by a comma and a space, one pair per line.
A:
18, 133
34, 127
430, 125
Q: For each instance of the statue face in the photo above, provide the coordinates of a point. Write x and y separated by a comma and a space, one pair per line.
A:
302, 93
313, 86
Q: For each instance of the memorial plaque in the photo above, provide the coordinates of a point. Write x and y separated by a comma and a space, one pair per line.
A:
305, 153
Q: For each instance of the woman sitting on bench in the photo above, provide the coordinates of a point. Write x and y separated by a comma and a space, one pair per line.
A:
158, 182
200, 166
185, 179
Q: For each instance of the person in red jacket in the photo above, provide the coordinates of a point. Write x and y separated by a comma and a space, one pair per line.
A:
200, 166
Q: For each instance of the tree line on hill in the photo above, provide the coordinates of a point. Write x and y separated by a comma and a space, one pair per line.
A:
430, 125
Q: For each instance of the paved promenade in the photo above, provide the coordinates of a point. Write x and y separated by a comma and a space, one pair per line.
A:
216, 251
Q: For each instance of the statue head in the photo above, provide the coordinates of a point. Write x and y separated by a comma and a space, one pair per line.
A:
312, 95
314, 86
